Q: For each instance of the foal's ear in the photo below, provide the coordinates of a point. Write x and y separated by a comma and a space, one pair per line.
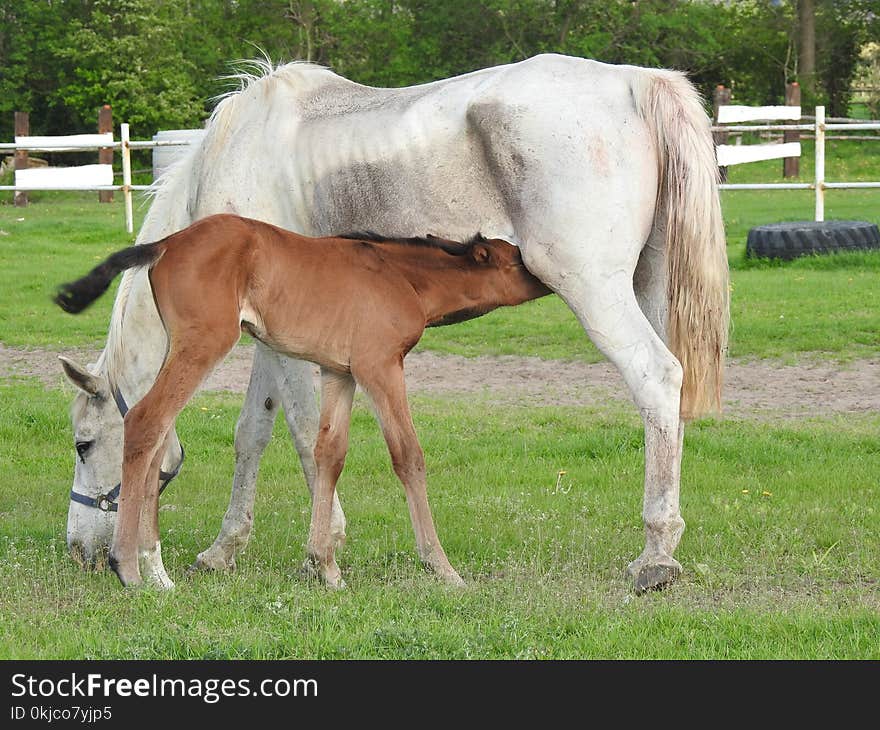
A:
481, 254
80, 377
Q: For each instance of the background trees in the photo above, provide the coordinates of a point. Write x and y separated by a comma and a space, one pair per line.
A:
158, 61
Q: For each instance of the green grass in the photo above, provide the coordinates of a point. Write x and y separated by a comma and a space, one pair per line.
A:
782, 552
57, 238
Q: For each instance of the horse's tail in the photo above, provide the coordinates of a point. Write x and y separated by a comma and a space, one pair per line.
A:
688, 208
75, 296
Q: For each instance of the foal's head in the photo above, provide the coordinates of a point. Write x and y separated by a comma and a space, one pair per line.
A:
505, 279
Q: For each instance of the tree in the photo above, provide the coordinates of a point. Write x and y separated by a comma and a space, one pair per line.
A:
127, 53
806, 14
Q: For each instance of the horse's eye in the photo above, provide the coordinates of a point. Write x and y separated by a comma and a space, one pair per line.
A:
82, 448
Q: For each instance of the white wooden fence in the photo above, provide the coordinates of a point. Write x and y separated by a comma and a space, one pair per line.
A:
100, 177
84, 177
739, 154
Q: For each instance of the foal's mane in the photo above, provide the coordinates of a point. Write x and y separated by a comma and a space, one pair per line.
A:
455, 248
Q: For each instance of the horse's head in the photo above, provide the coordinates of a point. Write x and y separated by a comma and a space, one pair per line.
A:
97, 436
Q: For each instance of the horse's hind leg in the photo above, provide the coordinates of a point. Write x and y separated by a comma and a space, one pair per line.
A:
337, 394
605, 303
387, 389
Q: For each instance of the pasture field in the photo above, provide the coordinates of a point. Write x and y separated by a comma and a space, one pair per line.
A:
781, 553
538, 507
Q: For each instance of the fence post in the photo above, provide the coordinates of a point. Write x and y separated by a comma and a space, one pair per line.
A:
721, 98
126, 177
791, 165
820, 163
22, 129
105, 154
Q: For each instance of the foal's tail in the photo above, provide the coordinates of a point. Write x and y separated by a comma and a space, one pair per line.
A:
689, 210
75, 296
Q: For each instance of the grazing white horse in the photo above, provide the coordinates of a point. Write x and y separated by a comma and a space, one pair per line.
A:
605, 176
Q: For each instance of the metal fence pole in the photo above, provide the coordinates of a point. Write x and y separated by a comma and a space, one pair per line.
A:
126, 177
820, 163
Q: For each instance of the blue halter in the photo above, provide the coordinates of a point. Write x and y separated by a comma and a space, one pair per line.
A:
107, 502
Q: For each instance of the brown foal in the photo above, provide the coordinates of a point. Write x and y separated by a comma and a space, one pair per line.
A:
355, 305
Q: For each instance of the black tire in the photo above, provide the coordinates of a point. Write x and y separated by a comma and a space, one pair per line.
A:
803, 238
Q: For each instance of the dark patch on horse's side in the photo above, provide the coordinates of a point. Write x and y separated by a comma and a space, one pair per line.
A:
455, 248
494, 124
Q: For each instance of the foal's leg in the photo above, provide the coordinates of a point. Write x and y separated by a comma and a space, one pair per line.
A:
145, 428
337, 394
387, 389
149, 550
296, 384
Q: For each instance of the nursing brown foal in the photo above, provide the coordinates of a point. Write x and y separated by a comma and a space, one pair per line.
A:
355, 305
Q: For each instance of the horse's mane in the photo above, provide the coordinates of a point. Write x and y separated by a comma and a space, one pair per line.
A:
454, 248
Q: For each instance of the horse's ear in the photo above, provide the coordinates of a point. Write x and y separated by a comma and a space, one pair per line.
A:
80, 377
481, 254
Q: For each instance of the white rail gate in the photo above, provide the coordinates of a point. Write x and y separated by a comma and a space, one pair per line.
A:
84, 177
740, 154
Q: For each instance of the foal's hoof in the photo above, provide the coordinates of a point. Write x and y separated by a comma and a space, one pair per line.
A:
127, 577
654, 576
330, 577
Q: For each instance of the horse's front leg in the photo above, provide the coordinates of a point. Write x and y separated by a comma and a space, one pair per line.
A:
337, 395
252, 434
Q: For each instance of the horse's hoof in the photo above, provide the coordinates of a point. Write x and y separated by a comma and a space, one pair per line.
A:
453, 579
334, 584
206, 562
656, 576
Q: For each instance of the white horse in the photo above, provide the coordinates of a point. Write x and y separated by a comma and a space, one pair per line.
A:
605, 176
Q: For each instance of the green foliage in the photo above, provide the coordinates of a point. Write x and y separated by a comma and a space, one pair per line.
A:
113, 51
842, 29
157, 62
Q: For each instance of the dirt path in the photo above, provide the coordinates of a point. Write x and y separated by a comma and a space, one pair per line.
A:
754, 389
